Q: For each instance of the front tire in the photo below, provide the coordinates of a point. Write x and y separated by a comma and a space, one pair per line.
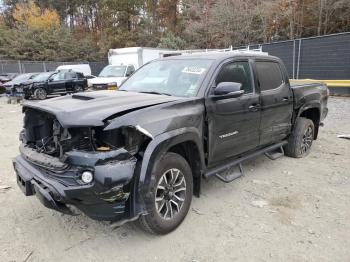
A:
171, 190
300, 141
40, 93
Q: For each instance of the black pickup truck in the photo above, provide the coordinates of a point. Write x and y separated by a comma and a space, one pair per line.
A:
140, 153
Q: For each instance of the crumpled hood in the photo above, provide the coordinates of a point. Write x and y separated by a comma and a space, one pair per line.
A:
92, 108
13, 83
29, 83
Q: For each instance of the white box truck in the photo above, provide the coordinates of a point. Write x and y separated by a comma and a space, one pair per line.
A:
122, 63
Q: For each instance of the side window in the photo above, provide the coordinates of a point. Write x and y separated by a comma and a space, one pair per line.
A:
70, 75
57, 77
269, 74
236, 72
130, 70
80, 75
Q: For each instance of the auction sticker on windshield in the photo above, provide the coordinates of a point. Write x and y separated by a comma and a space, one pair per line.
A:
193, 70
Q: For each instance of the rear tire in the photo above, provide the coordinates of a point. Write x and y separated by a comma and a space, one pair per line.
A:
40, 93
171, 190
300, 141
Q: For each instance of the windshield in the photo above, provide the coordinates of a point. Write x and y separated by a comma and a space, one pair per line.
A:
42, 77
113, 71
171, 77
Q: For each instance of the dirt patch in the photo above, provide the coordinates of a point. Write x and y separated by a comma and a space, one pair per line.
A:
291, 202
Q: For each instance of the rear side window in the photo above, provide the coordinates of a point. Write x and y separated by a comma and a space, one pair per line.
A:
70, 75
80, 75
269, 74
238, 72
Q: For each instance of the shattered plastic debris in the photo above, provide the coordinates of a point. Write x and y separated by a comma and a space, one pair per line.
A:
344, 136
259, 203
4, 188
260, 182
197, 211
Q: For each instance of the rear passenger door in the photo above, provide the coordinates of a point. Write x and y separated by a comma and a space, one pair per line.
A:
276, 101
71, 79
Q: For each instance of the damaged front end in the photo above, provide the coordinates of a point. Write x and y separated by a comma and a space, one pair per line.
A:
87, 167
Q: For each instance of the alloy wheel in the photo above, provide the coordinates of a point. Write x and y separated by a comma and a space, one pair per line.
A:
40, 94
170, 193
307, 140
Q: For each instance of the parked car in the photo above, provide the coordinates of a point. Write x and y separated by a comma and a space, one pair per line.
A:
2, 89
122, 63
13, 87
141, 152
52, 83
111, 77
4, 78
7, 77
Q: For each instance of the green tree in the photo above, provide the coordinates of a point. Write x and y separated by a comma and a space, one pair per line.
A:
171, 41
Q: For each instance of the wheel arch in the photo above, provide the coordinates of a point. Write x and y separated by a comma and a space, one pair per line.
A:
190, 152
178, 141
313, 113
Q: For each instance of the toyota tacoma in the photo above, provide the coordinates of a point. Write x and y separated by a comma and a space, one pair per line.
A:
140, 153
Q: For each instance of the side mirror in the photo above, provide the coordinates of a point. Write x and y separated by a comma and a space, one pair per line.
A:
50, 79
231, 89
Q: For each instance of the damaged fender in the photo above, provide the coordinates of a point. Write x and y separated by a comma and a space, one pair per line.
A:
158, 146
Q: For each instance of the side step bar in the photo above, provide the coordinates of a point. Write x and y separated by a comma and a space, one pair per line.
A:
273, 152
230, 177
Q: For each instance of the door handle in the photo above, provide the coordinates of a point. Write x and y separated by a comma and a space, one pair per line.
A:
254, 108
285, 99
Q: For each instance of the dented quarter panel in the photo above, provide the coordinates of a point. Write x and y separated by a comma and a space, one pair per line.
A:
308, 96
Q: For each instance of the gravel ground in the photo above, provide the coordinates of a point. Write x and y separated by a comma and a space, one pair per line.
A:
283, 210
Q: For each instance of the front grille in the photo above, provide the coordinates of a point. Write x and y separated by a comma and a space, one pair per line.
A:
43, 133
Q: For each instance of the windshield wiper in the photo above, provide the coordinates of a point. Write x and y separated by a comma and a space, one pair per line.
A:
155, 93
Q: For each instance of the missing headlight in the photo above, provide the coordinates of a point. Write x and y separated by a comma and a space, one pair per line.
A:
125, 137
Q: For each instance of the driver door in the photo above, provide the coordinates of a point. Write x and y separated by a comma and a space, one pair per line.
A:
57, 83
233, 123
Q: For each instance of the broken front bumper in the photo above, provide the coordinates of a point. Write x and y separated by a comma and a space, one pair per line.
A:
107, 197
